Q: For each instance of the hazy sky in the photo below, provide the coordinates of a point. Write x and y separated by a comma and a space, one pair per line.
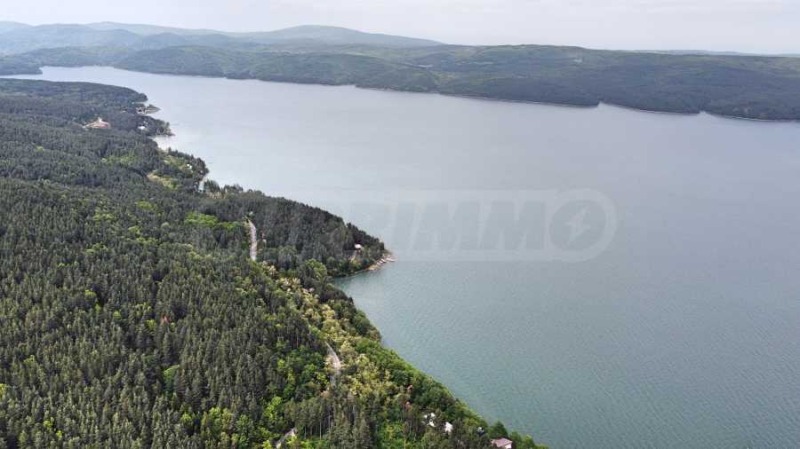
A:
743, 25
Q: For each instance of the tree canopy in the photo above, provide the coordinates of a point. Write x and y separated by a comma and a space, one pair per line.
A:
131, 315
754, 87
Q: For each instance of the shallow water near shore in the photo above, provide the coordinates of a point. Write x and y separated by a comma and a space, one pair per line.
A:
681, 331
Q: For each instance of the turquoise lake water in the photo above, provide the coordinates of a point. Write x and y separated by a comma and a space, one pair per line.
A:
681, 328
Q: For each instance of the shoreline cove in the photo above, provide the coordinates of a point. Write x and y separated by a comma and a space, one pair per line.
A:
332, 358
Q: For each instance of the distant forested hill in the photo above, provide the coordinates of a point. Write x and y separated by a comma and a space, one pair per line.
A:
131, 315
19, 38
753, 87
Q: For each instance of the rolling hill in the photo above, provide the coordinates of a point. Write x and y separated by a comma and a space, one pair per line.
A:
20, 38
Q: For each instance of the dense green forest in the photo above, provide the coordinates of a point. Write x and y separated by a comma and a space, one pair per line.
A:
754, 87
132, 317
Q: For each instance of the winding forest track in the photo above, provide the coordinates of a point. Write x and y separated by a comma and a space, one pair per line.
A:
253, 240
288, 435
335, 361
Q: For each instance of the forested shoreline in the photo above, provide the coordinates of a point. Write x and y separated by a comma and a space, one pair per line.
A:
132, 317
751, 87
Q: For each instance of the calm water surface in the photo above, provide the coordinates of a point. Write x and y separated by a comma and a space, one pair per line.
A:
684, 332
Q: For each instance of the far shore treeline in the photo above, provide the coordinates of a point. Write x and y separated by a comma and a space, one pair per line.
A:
741, 86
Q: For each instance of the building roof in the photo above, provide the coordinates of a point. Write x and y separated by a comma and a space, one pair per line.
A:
99, 124
502, 442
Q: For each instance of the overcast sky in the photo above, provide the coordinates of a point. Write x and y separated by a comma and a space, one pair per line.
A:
740, 25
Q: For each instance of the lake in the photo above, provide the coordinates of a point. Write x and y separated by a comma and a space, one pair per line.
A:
675, 324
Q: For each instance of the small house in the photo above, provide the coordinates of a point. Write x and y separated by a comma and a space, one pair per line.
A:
503, 443
99, 124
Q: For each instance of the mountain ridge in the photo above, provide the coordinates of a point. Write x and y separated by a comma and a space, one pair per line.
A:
19, 38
